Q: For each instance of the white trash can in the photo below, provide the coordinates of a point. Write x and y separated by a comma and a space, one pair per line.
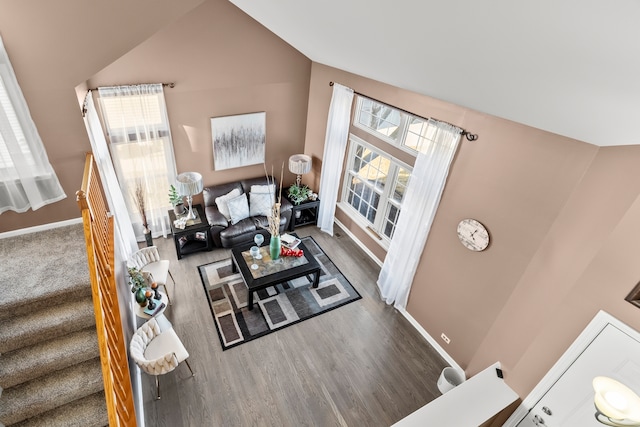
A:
450, 378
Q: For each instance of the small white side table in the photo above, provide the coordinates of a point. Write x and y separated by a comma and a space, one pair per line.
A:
140, 310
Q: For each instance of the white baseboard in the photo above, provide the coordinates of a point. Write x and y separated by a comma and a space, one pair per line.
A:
441, 351
42, 227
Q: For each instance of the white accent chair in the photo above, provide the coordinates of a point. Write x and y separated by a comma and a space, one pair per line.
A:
157, 350
148, 260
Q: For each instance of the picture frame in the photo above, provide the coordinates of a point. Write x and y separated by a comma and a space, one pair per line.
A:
238, 140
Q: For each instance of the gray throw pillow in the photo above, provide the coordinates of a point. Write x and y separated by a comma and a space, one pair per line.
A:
260, 204
238, 208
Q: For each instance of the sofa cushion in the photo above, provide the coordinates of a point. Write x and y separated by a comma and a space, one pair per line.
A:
238, 208
271, 188
260, 204
223, 201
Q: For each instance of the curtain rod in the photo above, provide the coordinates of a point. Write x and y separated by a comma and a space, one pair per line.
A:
470, 136
169, 85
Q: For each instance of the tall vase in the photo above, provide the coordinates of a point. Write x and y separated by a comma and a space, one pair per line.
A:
274, 247
147, 237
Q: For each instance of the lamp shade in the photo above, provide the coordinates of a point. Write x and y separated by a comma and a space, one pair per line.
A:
189, 183
299, 164
617, 402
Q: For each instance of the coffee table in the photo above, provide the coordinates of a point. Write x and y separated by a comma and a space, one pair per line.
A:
271, 272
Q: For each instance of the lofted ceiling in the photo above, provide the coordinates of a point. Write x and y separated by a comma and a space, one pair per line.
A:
570, 67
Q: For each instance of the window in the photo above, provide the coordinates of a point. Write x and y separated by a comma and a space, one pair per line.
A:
140, 143
374, 186
404, 130
374, 180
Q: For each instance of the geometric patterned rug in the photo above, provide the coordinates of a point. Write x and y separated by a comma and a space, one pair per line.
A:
275, 307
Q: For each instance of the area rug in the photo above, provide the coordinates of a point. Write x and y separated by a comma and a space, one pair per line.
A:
275, 307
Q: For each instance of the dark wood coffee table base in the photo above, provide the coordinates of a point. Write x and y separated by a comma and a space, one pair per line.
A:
239, 264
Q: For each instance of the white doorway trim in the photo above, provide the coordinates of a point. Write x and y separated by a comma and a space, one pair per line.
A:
586, 337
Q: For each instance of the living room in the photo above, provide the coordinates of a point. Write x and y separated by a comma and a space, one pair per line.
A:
562, 213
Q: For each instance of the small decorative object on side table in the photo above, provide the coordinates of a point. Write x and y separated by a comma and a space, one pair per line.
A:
308, 214
191, 235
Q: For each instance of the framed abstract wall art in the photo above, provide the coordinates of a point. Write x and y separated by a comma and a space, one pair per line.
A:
238, 140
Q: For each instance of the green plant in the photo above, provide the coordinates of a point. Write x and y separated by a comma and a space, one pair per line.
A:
174, 197
137, 280
299, 193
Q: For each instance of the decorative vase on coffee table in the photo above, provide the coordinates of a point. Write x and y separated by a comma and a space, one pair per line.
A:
274, 247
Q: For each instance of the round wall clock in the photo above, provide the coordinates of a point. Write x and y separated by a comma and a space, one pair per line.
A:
473, 235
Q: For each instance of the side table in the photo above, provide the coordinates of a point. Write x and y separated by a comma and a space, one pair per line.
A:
194, 237
307, 213
140, 310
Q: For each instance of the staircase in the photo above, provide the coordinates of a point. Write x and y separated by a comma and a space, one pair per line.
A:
50, 372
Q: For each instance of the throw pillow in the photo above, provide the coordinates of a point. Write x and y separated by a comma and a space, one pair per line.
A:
260, 204
271, 188
238, 208
221, 202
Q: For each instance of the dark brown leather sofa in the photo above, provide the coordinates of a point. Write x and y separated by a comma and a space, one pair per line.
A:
227, 235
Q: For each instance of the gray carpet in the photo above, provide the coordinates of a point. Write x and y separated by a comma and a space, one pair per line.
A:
50, 369
39, 266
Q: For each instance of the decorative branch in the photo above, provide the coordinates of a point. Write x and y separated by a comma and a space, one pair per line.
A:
274, 217
138, 197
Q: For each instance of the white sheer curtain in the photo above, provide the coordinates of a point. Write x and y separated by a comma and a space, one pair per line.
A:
125, 238
141, 148
334, 148
27, 179
418, 210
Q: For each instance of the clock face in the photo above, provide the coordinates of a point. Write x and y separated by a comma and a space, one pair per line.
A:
473, 235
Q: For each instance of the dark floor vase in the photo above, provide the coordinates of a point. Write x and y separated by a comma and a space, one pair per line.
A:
148, 238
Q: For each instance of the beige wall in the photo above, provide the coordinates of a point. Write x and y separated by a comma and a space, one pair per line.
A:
222, 61
550, 203
56, 45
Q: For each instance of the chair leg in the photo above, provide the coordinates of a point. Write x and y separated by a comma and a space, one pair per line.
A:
166, 291
189, 366
171, 275
157, 388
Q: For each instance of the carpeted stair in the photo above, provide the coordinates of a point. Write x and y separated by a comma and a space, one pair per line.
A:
50, 372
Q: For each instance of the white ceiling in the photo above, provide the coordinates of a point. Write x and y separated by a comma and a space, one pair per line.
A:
571, 67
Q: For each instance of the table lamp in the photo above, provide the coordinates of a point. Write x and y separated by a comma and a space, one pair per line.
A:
189, 184
299, 164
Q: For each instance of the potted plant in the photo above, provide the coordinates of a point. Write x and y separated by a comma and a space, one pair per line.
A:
176, 200
138, 283
298, 193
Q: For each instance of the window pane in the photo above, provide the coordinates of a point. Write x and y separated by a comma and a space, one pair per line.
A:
379, 118
391, 219
419, 134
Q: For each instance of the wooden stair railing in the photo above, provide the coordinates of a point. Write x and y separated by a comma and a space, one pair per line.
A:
99, 239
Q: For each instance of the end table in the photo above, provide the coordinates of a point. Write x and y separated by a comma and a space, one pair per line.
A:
194, 237
306, 212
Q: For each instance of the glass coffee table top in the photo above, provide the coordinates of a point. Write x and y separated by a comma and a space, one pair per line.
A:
267, 266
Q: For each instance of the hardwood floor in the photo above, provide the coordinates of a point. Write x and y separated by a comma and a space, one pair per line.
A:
362, 364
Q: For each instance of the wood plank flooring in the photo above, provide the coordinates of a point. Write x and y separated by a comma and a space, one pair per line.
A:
362, 364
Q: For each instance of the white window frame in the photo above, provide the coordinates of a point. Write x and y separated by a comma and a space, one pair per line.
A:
403, 128
385, 199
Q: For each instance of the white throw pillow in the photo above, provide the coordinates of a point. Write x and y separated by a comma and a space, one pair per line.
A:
238, 208
221, 202
260, 203
271, 188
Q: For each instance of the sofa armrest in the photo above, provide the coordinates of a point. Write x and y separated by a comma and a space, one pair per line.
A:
215, 217
285, 205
